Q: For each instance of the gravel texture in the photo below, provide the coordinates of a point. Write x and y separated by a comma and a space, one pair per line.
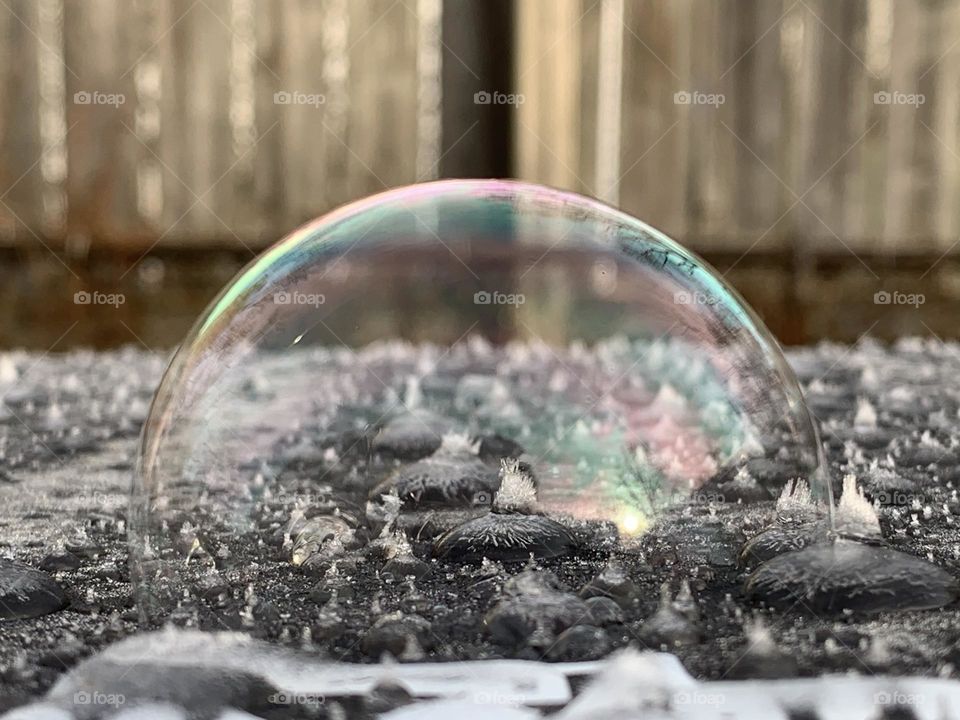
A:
889, 417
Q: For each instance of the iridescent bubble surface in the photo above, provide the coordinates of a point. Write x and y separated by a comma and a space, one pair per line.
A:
398, 356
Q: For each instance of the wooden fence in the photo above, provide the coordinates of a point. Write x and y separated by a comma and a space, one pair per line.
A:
820, 125
736, 125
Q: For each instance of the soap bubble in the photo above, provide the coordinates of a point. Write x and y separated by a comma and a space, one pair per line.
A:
416, 369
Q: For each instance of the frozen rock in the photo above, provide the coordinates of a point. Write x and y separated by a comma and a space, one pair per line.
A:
613, 582
412, 435
581, 642
604, 611
674, 622
534, 610
498, 447
320, 540
393, 633
801, 521
60, 561
762, 658
451, 477
387, 696
847, 575
511, 531
506, 537
26, 592
779, 539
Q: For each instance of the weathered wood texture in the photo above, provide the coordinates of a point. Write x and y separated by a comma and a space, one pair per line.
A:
803, 125
187, 122
735, 125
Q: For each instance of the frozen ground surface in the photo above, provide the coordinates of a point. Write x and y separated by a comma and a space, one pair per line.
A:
68, 427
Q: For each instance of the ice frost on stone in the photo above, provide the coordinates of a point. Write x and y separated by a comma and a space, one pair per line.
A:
455, 443
866, 417
855, 515
796, 502
517, 492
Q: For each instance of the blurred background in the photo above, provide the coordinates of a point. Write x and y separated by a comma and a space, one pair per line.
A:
808, 149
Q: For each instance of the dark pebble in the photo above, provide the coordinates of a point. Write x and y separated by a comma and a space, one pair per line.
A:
498, 447
763, 659
667, 629
266, 615
872, 438
604, 611
925, 455
772, 473
323, 592
386, 696
614, 583
534, 610
329, 626
86, 550
65, 561
581, 642
394, 634
63, 655
846, 575
404, 566
412, 435
26, 592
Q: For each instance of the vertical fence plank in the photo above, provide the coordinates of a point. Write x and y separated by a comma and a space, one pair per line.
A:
548, 76
651, 187
301, 109
20, 175
599, 77
946, 127
381, 121
100, 109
